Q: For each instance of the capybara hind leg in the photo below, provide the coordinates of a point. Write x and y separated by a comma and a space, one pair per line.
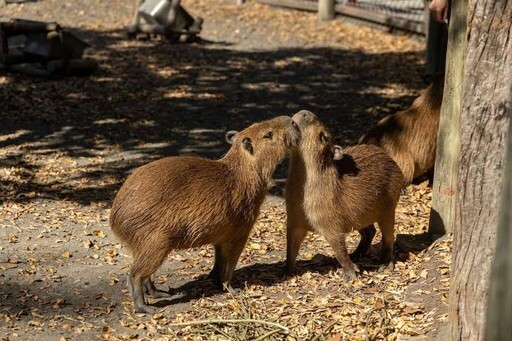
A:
145, 263
138, 297
295, 234
387, 224
219, 267
153, 291
339, 246
367, 233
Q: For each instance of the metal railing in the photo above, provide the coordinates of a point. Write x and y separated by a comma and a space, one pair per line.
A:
407, 15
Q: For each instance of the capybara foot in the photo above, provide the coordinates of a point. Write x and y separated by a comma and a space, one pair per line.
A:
389, 266
231, 290
144, 308
349, 272
159, 293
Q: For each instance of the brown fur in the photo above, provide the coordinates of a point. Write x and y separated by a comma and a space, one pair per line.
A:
334, 197
410, 136
184, 202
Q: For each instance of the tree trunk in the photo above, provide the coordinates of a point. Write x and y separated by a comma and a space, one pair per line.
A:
484, 121
444, 198
499, 313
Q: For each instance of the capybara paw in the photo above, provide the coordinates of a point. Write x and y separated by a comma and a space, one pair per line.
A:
348, 275
231, 290
160, 294
386, 266
144, 308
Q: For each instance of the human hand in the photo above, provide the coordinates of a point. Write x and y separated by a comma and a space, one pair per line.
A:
439, 10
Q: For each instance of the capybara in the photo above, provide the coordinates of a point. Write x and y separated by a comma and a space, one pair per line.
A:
183, 202
334, 191
410, 136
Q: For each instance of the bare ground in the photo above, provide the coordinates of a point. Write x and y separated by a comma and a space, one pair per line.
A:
66, 147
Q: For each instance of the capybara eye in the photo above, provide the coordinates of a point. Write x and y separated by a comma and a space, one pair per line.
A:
323, 138
268, 135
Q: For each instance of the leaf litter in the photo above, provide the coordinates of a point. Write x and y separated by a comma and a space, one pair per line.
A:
63, 272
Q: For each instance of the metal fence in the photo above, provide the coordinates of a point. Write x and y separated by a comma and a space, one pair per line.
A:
403, 14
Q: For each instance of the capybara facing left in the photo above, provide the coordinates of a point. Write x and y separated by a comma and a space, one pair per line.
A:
410, 136
334, 191
183, 202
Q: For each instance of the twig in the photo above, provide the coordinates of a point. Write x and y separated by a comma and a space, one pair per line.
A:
325, 331
192, 323
222, 332
270, 333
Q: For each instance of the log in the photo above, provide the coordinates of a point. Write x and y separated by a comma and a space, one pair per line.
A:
16, 58
444, 191
31, 70
19, 26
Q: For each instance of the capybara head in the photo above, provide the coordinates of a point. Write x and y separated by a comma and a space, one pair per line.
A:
315, 141
266, 143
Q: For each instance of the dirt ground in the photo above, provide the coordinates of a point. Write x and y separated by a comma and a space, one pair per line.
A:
66, 147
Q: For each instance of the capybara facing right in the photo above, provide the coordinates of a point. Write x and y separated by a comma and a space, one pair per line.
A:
334, 191
410, 136
184, 202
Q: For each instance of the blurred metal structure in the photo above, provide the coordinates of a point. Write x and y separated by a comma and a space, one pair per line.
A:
164, 17
407, 15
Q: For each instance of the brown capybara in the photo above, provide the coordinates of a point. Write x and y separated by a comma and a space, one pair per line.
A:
183, 202
334, 191
410, 136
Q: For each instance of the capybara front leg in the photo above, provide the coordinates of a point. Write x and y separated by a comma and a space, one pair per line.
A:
295, 234
339, 246
219, 267
232, 251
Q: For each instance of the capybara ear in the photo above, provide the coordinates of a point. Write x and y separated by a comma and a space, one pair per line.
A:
231, 136
248, 145
337, 152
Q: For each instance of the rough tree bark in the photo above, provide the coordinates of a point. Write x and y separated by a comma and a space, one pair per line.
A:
499, 313
444, 198
484, 121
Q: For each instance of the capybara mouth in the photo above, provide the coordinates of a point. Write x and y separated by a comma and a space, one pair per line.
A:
295, 135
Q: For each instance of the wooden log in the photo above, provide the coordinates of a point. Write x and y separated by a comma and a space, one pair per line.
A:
325, 10
444, 197
18, 26
31, 70
16, 58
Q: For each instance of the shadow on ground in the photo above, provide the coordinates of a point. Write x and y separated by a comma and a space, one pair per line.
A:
152, 99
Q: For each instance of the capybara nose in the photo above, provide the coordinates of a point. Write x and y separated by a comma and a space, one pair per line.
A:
303, 116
